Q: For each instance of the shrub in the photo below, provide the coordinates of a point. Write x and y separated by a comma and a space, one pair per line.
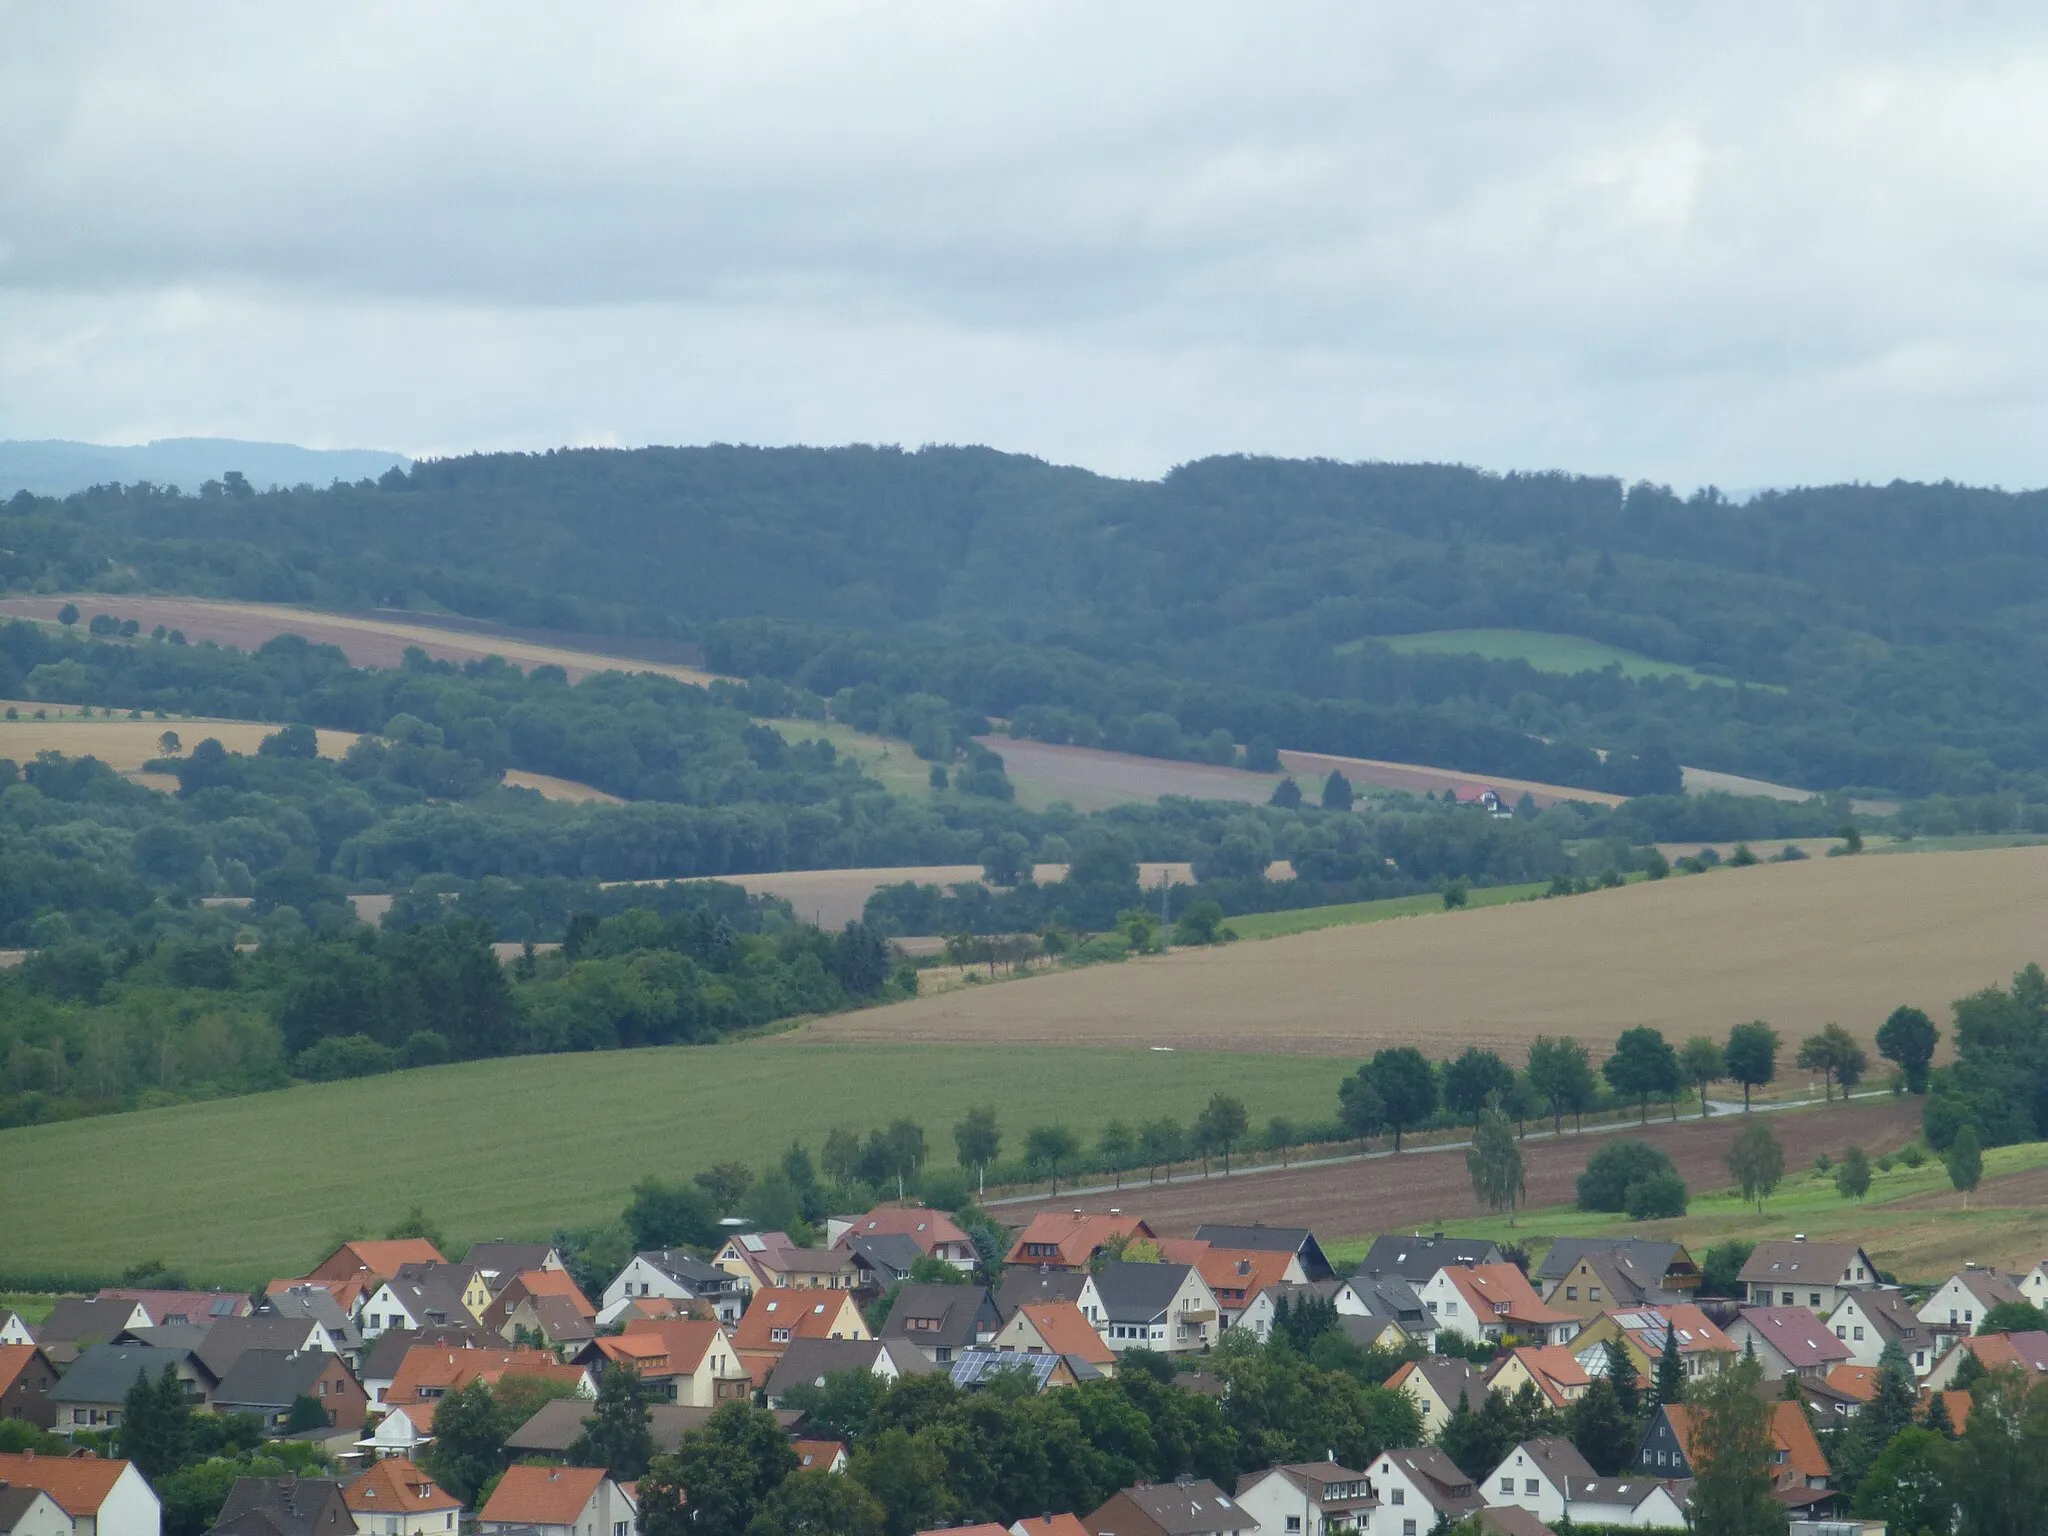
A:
1720, 1269
1658, 1195
346, 1056
1615, 1168
1913, 1155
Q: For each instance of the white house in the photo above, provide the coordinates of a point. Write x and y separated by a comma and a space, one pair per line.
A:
1310, 1499
13, 1330
673, 1275
402, 1434
1965, 1297
1866, 1321
1536, 1475
1163, 1307
558, 1501
395, 1498
430, 1299
1642, 1503
99, 1496
1416, 1486
1801, 1274
31, 1512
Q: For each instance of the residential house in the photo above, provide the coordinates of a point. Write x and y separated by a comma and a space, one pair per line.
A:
269, 1382
2034, 1285
533, 1284
942, 1320
744, 1256
14, 1328
555, 1321
26, 1380
775, 1318
1537, 1476
2026, 1351
500, 1262
1436, 1384
395, 1498
1190, 1507
402, 1434
77, 1322
1031, 1285
558, 1501
819, 1455
1056, 1328
1868, 1320
429, 1373
1388, 1296
180, 1306
1417, 1487
1551, 1369
975, 1368
1235, 1276
807, 1362
1046, 1525
813, 1269
936, 1234
90, 1394
558, 1425
1703, 1349
1788, 1340
681, 1360
1490, 1301
881, 1261
1261, 1238
1416, 1259
285, 1506
380, 1361
1163, 1307
348, 1295
677, 1276
1799, 1468
372, 1263
1801, 1274
427, 1296
1258, 1314
1640, 1503
1316, 1498
31, 1512
1074, 1240
100, 1496
316, 1304
221, 1345
1603, 1277
1964, 1298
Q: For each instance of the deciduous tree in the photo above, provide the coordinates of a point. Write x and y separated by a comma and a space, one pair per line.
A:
1562, 1073
1908, 1038
1495, 1163
1406, 1084
1756, 1162
1643, 1065
1703, 1062
1752, 1056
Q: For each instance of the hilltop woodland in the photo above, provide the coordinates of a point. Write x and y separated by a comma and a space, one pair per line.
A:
1883, 637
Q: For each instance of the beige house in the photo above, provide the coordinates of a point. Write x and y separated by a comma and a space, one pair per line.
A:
1435, 1384
395, 1498
558, 1501
682, 1361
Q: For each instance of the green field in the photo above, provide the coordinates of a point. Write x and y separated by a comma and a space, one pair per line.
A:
1275, 925
1920, 1245
241, 1190
1545, 652
882, 758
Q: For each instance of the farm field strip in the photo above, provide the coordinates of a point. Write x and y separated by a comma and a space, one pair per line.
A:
1800, 945
1541, 649
243, 1189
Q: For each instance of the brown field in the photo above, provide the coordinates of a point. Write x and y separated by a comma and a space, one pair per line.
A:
553, 788
1090, 779
1421, 1188
1417, 778
125, 745
368, 640
1797, 944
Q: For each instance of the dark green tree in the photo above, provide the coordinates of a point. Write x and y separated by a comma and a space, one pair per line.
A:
1406, 1085
977, 1139
1703, 1062
1907, 1039
2013, 1317
618, 1434
1359, 1109
725, 1185
1117, 1145
1562, 1073
1752, 1056
1336, 791
156, 1424
1852, 1174
1670, 1369
1619, 1166
1475, 1077
1494, 1162
1964, 1160
1733, 1453
1049, 1148
1909, 1485
1604, 1434
468, 1448
729, 1466
1834, 1054
1643, 1066
1222, 1124
818, 1503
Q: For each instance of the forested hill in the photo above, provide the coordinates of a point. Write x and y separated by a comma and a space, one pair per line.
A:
1896, 631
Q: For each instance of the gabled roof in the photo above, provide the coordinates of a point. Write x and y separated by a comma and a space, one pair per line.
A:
388, 1350
542, 1495
15, 1504
557, 1318
1557, 1456
78, 1485
1628, 1491
289, 1506
16, 1358
1502, 1292
1448, 1376
807, 1362
181, 1306
662, 1347
803, 1314
1388, 1295
1553, 1367
2028, 1351
389, 1487
557, 1425
1988, 1286
1645, 1263
1887, 1311
977, 1367
1417, 1259
687, 1270
1626, 1285
1438, 1479
1804, 1263
1790, 1432
498, 1262
1245, 1270
271, 1378
959, 1313
432, 1294
382, 1258
1072, 1236
75, 1319
890, 1254
1264, 1239
1182, 1509
1803, 1339
1022, 1285
316, 1304
229, 1339
547, 1282
430, 1366
1067, 1332
1138, 1293
1857, 1383
818, 1455
1697, 1333
105, 1372
1047, 1525
925, 1228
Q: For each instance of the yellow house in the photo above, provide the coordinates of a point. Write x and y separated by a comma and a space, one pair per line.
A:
1551, 1369
1435, 1384
1703, 1348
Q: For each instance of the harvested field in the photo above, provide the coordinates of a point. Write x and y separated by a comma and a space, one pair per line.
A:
2026, 1190
1700, 781
1416, 778
553, 788
1090, 779
1426, 1188
1797, 944
125, 745
367, 640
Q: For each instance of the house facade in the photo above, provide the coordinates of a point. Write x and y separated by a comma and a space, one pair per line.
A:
1164, 1307
396, 1498
558, 1501
673, 1275
1801, 1274
26, 1381
99, 1496
1417, 1487
1317, 1498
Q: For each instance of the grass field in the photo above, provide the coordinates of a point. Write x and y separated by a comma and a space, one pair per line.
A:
1279, 925
1545, 652
1800, 945
245, 1189
1912, 1223
884, 759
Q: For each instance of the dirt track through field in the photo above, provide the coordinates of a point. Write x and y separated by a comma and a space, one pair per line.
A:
1418, 1188
1797, 944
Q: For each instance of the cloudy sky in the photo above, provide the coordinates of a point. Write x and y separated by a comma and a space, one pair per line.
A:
1750, 246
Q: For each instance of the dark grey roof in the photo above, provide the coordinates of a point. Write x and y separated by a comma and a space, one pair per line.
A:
807, 1361
232, 1337
289, 1506
556, 1426
1389, 1294
270, 1378
962, 1311
1417, 1258
104, 1372
1510, 1520
500, 1261
316, 1304
15, 1502
1439, 1480
1191, 1508
1260, 1238
890, 1254
432, 1293
1023, 1286
76, 1319
165, 1336
689, 1271
1644, 1258
1138, 1293
1450, 1376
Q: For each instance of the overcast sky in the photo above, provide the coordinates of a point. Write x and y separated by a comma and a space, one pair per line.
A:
1749, 246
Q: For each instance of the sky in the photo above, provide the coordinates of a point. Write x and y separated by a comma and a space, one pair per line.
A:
1734, 244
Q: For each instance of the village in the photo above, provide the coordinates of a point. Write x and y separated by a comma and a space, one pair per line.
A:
352, 1369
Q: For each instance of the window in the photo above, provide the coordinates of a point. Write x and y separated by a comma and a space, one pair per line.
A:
1507, 1485
1451, 1308
1407, 1528
1969, 1317
1294, 1522
1859, 1335
1571, 1293
1529, 1487
1786, 1298
1400, 1497
1813, 1298
1841, 1331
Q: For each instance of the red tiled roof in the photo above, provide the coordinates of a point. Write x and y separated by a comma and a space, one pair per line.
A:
661, 1347
78, 1485
382, 1258
925, 1228
437, 1365
1067, 1331
817, 1455
809, 1314
1073, 1234
386, 1487
1503, 1292
542, 1495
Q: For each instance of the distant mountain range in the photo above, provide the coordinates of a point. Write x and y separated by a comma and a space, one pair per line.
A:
56, 467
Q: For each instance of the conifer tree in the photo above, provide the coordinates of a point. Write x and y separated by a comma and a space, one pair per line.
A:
1670, 1368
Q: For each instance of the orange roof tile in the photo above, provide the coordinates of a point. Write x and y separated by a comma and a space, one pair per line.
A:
817, 1454
438, 1365
542, 1495
1790, 1432
1049, 1525
661, 1347
1073, 1235
553, 1282
1503, 1292
1067, 1331
78, 1485
1553, 1367
803, 1314
1858, 1382
14, 1359
382, 1258
1234, 1274
389, 1486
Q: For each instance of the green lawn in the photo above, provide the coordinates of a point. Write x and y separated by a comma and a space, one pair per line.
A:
1544, 652
891, 762
1274, 925
1920, 1245
241, 1190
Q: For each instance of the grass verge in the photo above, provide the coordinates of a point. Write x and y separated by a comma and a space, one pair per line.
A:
1275, 925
